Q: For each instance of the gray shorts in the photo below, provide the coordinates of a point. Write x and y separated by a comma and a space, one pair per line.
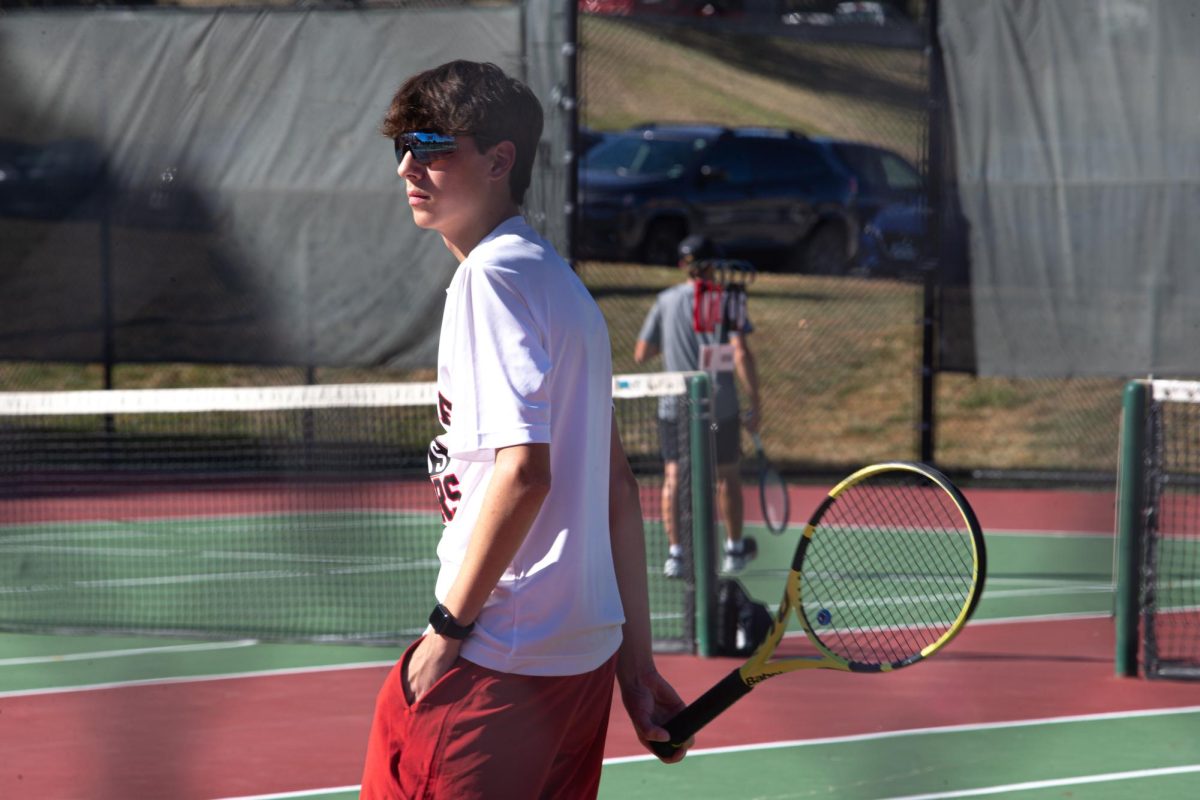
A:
728, 440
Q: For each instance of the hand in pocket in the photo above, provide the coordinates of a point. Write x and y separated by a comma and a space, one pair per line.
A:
430, 660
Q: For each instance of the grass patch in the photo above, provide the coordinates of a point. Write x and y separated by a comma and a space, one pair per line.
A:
633, 72
995, 394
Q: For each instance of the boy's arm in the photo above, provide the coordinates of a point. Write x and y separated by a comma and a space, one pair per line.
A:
643, 351
647, 345
747, 373
647, 696
519, 484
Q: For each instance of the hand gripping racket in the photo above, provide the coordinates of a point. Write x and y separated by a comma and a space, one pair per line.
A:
772, 491
888, 570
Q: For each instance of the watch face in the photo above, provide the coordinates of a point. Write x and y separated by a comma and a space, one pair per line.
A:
439, 618
442, 622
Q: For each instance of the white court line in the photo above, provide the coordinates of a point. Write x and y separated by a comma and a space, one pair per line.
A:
897, 734
129, 526
220, 577
176, 551
267, 673
137, 651
285, 795
887, 735
1045, 534
1080, 780
1063, 617
1093, 588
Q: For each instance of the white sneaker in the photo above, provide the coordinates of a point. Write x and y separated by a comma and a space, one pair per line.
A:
736, 560
674, 567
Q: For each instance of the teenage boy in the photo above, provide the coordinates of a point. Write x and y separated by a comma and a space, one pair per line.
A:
673, 327
541, 596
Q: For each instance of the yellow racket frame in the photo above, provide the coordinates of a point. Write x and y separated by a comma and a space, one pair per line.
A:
759, 667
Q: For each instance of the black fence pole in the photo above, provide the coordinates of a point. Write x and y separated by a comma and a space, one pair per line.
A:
932, 261
570, 103
107, 335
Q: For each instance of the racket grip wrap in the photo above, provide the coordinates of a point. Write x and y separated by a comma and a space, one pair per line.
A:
704, 710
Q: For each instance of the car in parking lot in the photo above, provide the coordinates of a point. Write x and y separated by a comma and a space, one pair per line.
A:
885, 178
891, 204
763, 193
893, 241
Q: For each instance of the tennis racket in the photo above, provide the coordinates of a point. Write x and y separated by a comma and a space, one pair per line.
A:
888, 570
772, 491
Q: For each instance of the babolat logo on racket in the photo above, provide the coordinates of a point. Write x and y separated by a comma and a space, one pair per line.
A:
756, 679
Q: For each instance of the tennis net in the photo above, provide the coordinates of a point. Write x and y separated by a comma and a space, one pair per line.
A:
1160, 527
287, 513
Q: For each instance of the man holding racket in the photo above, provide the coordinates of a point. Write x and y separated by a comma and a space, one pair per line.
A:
678, 325
541, 598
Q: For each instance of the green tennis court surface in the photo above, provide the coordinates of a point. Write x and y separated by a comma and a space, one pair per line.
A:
1119, 757
340, 575
1029, 575
797, 726
292, 575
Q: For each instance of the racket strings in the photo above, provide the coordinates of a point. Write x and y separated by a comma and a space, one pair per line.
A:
775, 499
888, 570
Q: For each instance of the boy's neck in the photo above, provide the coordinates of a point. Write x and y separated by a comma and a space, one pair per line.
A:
461, 243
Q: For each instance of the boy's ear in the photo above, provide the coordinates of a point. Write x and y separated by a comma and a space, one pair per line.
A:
504, 155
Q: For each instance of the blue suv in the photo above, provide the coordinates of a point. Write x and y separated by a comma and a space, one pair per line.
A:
891, 205
766, 194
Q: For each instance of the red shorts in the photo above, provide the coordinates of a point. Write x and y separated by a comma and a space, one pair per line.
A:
484, 734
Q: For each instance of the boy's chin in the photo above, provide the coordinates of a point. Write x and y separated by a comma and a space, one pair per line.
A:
423, 219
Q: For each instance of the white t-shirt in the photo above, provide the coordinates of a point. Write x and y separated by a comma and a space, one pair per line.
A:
524, 357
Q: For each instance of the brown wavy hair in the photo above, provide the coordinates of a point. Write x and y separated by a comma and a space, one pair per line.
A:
468, 98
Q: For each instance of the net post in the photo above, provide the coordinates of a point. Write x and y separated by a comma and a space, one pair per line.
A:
699, 419
1130, 502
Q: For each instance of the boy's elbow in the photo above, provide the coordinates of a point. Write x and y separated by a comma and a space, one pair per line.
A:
527, 469
535, 480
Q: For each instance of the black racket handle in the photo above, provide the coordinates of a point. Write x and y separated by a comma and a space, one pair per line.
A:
704, 710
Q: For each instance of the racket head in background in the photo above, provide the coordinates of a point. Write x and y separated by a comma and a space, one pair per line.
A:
773, 497
890, 567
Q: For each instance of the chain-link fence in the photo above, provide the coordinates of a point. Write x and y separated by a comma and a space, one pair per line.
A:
840, 358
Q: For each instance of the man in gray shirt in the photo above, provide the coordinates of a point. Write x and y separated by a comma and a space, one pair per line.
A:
678, 325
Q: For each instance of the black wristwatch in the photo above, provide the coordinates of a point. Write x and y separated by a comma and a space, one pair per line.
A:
444, 623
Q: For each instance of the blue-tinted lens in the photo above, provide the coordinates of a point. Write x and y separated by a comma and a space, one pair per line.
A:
425, 146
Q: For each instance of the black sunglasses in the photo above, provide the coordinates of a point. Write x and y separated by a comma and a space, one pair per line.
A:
425, 146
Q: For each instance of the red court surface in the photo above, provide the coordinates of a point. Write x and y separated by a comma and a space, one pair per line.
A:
296, 732
1078, 511
999, 509
267, 734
